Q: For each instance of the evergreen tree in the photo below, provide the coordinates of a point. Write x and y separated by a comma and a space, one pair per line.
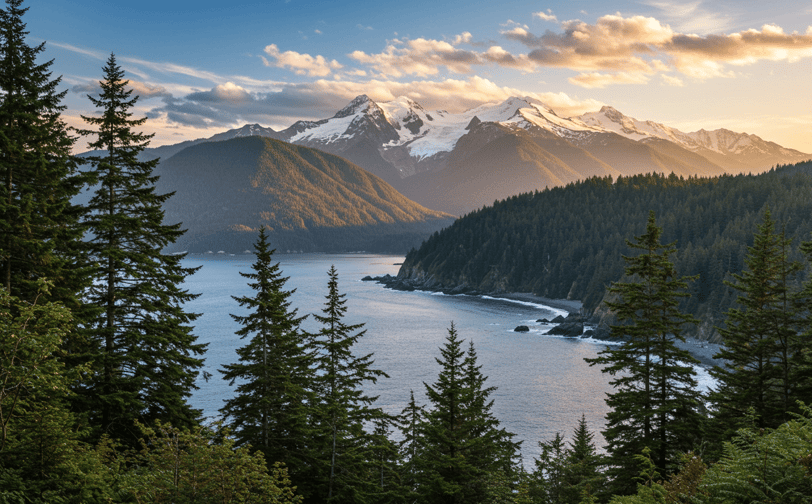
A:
385, 458
583, 465
801, 350
463, 447
655, 401
760, 338
142, 346
270, 410
548, 479
344, 407
39, 232
410, 447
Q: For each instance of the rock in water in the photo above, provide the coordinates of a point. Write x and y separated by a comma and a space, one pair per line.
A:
568, 329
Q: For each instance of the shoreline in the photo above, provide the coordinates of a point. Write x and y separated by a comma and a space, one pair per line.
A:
702, 350
570, 306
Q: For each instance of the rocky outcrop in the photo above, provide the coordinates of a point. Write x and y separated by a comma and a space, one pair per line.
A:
569, 329
419, 282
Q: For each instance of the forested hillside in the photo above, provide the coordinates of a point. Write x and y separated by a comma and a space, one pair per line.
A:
306, 199
568, 242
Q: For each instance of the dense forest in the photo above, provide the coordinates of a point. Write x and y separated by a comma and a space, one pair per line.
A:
98, 356
568, 242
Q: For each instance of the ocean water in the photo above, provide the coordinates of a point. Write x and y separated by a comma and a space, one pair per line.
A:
543, 384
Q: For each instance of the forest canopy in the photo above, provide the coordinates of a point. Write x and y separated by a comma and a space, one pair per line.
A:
568, 242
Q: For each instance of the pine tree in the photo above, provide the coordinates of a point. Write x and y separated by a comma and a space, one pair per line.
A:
463, 447
344, 407
760, 338
144, 353
655, 402
39, 232
270, 410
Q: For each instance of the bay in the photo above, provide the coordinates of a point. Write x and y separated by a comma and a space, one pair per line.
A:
543, 384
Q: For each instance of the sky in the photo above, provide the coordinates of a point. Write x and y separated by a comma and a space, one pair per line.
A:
201, 67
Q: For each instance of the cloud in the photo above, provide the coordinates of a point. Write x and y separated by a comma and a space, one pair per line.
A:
140, 89
87, 52
601, 80
704, 57
422, 57
172, 68
302, 64
691, 17
229, 105
672, 81
634, 48
546, 16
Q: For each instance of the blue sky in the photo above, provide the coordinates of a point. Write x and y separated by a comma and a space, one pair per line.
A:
205, 66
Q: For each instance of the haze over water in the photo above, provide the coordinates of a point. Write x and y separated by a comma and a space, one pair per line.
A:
543, 384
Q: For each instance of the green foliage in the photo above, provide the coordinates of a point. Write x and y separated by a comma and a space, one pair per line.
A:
649, 491
346, 449
462, 445
271, 407
40, 235
567, 242
410, 448
42, 456
144, 354
306, 199
763, 466
202, 465
761, 338
567, 474
655, 402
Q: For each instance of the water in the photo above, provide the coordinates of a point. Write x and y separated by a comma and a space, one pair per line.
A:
543, 384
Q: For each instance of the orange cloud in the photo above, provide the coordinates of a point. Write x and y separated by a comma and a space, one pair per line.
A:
302, 64
613, 50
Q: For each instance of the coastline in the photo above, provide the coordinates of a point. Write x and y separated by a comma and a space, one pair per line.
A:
571, 306
703, 351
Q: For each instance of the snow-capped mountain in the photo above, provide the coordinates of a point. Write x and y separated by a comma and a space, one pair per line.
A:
518, 145
733, 151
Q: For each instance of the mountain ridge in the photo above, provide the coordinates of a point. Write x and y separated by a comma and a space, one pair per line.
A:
307, 199
400, 141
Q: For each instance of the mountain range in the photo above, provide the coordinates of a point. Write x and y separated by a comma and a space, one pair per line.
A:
458, 162
307, 200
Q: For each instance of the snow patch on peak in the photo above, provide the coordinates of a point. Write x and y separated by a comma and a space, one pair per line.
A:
361, 103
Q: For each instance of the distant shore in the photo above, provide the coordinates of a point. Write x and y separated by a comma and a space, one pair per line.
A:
702, 350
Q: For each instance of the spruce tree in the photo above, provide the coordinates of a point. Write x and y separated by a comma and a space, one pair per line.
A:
271, 410
344, 408
39, 232
760, 339
145, 356
655, 401
463, 446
